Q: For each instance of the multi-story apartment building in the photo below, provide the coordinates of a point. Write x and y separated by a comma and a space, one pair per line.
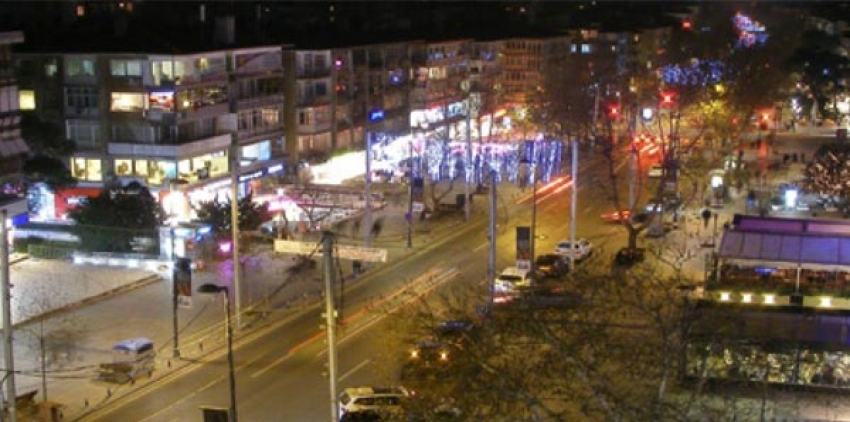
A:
485, 89
157, 118
334, 89
524, 62
13, 149
440, 87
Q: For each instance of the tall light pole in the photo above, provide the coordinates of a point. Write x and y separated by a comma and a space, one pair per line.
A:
573, 202
212, 288
533, 211
491, 255
410, 195
233, 110
6, 298
330, 320
468, 167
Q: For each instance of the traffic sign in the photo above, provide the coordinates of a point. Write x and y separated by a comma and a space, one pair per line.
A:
358, 253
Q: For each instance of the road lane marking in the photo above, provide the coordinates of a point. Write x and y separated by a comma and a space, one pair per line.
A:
431, 279
173, 404
355, 369
276, 362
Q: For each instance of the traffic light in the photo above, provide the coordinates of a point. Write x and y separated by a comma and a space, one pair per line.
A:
668, 99
612, 110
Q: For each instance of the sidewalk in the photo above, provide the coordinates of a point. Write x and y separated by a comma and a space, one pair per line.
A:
81, 311
696, 237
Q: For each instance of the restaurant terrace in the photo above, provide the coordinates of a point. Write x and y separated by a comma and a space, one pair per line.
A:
783, 262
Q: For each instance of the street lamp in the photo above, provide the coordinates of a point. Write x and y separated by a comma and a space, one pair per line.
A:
215, 289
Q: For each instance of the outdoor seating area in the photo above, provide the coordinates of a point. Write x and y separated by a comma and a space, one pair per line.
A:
783, 262
782, 281
801, 365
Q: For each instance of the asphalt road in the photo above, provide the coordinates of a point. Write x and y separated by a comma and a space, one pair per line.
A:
280, 369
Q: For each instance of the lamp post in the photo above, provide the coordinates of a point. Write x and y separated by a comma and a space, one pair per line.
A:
215, 289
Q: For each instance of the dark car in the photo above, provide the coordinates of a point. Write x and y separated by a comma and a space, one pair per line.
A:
427, 358
629, 256
552, 265
455, 332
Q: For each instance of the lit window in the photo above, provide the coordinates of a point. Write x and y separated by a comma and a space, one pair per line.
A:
585, 48
79, 67
80, 10
769, 299
125, 67
26, 99
826, 301
747, 297
127, 101
725, 296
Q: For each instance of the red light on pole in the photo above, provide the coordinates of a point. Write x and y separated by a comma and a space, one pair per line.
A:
686, 25
668, 99
613, 110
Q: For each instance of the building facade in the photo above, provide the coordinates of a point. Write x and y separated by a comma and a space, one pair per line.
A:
157, 119
13, 149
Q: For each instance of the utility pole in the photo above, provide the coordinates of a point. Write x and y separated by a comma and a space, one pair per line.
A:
367, 216
174, 302
573, 201
5, 286
410, 195
233, 107
468, 168
491, 255
330, 320
632, 158
534, 212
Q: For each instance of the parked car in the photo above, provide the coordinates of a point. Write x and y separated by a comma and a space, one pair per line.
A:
455, 331
580, 250
511, 278
655, 171
382, 400
551, 265
629, 256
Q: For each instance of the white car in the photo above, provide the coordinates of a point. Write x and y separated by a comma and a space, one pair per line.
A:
655, 171
511, 278
581, 250
387, 400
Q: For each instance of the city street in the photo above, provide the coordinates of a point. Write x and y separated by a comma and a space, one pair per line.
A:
281, 335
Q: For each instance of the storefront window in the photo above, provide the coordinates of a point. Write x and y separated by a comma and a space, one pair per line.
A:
261, 151
184, 167
87, 169
141, 168
127, 101
123, 167
159, 172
